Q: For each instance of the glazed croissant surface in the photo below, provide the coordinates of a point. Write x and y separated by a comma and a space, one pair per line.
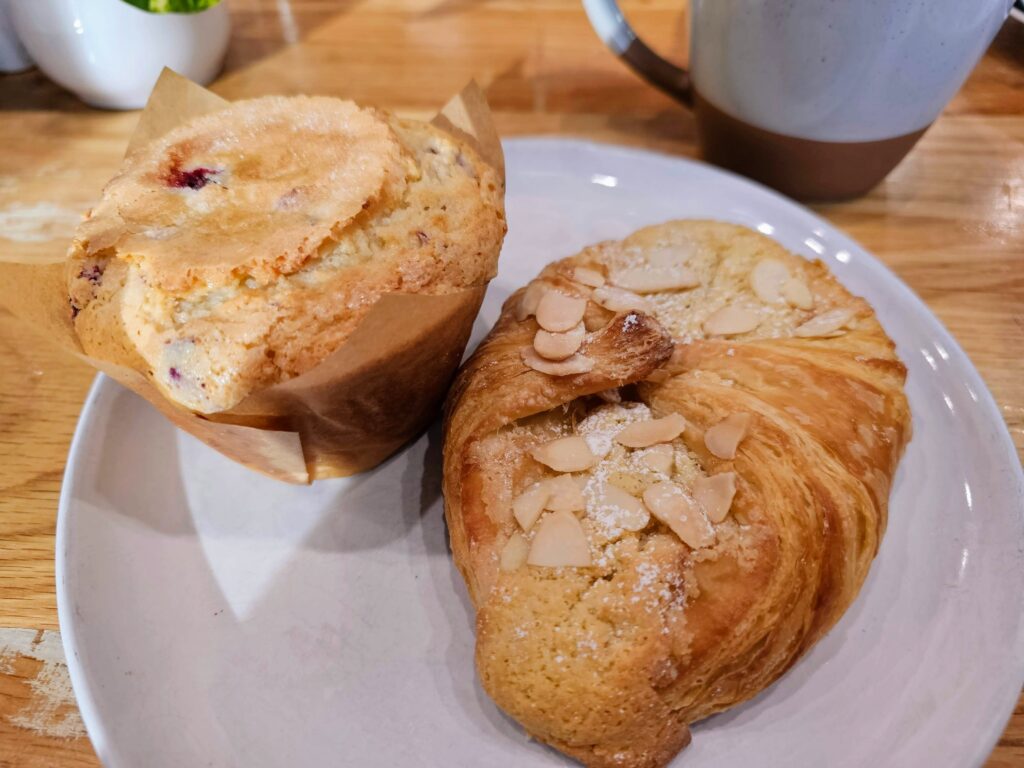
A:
666, 474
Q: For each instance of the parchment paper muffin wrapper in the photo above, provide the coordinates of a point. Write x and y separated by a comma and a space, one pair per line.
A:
361, 403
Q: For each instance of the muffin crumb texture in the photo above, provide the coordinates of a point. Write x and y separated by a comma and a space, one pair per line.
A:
244, 247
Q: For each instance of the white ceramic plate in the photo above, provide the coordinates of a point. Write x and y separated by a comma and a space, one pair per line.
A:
214, 617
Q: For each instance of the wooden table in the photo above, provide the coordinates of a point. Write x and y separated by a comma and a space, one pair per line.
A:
949, 221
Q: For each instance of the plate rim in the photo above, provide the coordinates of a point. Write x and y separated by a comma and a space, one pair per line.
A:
84, 700
985, 742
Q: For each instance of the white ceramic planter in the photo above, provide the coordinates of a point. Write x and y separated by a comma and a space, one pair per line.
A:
13, 56
110, 53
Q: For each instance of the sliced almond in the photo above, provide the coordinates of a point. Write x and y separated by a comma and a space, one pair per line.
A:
797, 294
724, 438
730, 320
564, 494
714, 494
527, 506
659, 458
767, 278
558, 346
824, 324
558, 313
565, 454
670, 255
670, 504
528, 301
559, 541
641, 434
655, 279
619, 300
588, 276
621, 509
515, 552
631, 482
572, 365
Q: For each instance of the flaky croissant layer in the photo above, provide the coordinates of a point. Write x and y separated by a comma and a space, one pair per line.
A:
666, 474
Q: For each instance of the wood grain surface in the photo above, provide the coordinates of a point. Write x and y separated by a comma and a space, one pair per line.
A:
949, 221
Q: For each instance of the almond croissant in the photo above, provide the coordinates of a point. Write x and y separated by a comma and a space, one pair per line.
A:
666, 474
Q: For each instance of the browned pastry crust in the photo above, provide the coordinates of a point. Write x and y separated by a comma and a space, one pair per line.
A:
610, 662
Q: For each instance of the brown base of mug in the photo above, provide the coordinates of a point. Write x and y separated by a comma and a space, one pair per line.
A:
800, 168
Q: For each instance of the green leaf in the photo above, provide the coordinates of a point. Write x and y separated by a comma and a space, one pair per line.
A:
173, 6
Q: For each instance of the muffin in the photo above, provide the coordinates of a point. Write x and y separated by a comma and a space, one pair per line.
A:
244, 247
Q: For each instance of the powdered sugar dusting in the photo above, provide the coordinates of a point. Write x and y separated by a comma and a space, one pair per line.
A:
724, 272
602, 424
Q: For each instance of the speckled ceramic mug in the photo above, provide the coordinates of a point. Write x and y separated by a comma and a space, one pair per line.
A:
817, 98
